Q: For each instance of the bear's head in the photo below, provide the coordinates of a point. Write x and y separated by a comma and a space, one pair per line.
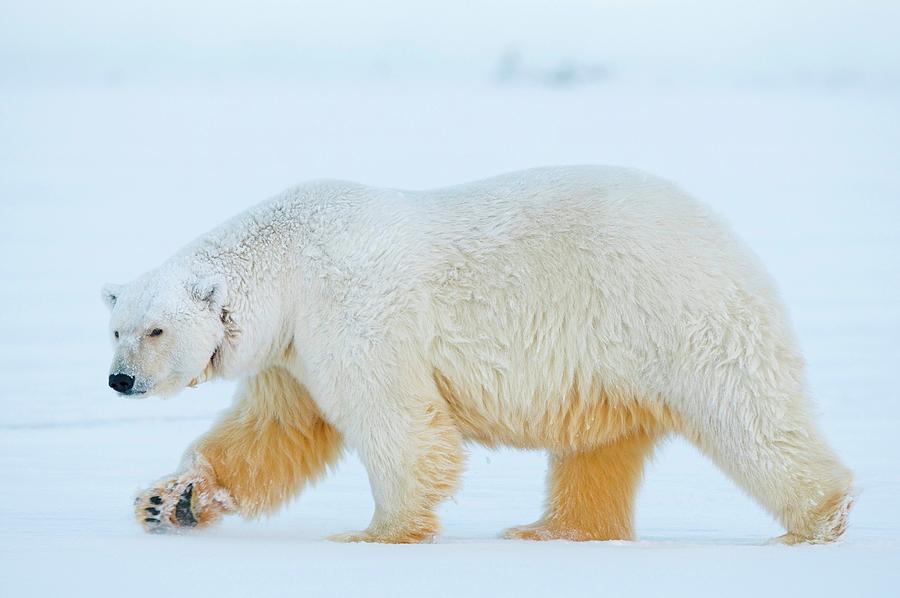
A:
166, 328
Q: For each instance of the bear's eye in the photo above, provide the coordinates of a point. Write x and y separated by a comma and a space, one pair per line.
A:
116, 334
156, 332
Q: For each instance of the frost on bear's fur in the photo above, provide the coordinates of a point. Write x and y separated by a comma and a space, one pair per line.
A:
588, 311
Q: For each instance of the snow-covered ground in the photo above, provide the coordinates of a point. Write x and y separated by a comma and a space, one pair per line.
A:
100, 182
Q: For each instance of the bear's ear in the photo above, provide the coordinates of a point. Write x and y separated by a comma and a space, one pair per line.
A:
211, 290
110, 294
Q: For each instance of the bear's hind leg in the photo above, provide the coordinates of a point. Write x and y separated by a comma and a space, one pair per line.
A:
259, 454
774, 451
590, 494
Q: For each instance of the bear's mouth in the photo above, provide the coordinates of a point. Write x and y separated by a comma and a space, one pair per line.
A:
207, 372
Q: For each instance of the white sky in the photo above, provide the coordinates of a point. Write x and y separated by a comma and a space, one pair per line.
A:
54, 37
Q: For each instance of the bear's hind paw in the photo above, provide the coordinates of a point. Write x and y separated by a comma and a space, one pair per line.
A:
542, 531
534, 532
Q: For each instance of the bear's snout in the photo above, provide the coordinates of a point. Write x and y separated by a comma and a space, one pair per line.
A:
121, 383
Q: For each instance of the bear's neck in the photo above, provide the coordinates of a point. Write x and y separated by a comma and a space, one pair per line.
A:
258, 265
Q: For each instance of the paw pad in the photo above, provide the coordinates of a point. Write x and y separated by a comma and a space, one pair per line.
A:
184, 514
189, 501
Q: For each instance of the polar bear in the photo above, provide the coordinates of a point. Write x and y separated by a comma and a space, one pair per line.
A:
588, 311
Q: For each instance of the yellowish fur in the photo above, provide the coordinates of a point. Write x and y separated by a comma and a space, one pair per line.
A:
590, 416
274, 440
157, 506
591, 493
271, 443
599, 440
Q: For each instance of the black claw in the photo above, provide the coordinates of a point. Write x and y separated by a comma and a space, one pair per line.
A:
156, 500
152, 510
151, 520
183, 513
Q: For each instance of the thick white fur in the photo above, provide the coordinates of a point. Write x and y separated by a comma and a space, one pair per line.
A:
513, 291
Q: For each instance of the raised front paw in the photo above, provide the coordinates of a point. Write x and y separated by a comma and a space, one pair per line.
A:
178, 503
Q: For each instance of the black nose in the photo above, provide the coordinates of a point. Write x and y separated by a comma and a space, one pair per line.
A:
121, 382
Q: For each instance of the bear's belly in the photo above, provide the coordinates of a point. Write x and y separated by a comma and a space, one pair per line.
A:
581, 417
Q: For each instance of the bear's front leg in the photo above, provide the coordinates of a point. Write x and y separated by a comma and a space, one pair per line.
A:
260, 453
189, 499
413, 459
